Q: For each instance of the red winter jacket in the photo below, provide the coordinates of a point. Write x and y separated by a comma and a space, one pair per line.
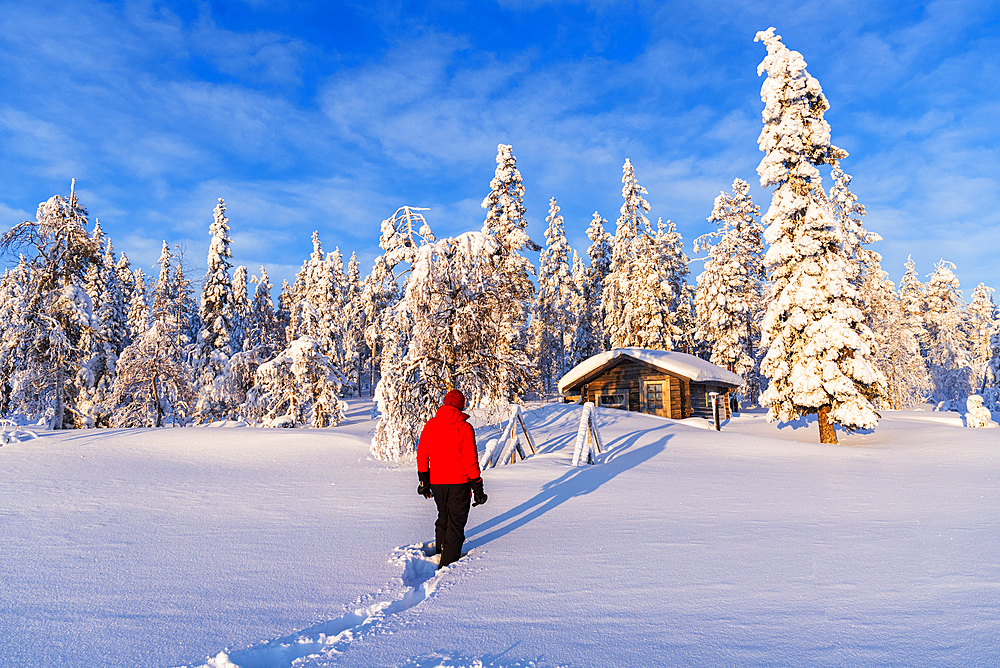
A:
448, 447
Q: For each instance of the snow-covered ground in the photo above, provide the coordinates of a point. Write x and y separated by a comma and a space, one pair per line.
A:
755, 546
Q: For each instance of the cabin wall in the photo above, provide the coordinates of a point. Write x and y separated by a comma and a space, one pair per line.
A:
631, 378
701, 404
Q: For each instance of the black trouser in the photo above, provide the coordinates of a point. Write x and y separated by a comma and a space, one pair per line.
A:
453, 502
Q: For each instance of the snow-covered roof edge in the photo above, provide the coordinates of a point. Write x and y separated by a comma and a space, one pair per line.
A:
689, 366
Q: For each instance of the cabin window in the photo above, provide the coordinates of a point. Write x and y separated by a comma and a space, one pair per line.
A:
654, 396
614, 399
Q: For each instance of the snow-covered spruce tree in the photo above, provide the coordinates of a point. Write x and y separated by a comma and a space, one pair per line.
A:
553, 325
586, 342
316, 302
505, 222
592, 288
113, 305
897, 354
352, 324
896, 351
729, 298
620, 282
134, 297
163, 297
644, 297
980, 320
15, 340
114, 309
376, 294
58, 321
283, 312
263, 330
948, 356
819, 351
126, 280
912, 301
651, 324
172, 300
138, 308
263, 339
241, 308
97, 376
152, 383
299, 386
673, 263
216, 314
335, 322
400, 235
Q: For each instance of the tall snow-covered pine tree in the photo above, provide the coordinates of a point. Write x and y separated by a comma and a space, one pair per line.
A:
217, 316
819, 351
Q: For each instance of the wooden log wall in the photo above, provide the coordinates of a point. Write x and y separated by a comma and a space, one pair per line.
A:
701, 404
630, 375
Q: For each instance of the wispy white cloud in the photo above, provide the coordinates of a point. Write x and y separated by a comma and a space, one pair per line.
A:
9, 216
159, 112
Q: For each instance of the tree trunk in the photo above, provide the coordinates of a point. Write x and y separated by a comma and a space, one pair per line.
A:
827, 432
59, 409
158, 422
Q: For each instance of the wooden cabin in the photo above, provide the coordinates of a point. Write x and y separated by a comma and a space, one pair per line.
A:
666, 383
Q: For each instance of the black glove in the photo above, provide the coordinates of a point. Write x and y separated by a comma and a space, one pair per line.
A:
478, 495
424, 488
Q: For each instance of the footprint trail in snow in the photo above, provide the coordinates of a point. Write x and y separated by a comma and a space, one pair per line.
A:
419, 580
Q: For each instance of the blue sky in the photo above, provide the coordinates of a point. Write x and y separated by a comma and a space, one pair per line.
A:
307, 117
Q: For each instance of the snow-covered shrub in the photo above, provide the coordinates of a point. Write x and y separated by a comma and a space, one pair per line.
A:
977, 415
152, 383
299, 385
11, 432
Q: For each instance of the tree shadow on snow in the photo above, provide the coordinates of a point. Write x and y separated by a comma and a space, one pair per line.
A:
574, 483
809, 422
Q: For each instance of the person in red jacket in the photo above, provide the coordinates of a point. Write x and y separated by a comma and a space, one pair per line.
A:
448, 468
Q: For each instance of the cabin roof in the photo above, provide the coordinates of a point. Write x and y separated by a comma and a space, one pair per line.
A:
691, 367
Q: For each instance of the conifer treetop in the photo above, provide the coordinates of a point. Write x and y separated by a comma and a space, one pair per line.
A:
634, 208
218, 250
505, 204
795, 137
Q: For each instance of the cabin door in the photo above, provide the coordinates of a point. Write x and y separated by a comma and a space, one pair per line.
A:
655, 395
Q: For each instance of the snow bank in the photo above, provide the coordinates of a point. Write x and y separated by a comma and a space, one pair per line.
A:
12, 432
978, 416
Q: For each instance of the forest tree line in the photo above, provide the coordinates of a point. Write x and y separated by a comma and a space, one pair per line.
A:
795, 301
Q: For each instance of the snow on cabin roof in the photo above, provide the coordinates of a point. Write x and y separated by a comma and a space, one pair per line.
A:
689, 366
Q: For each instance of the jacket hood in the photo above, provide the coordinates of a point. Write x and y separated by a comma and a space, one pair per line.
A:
450, 414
